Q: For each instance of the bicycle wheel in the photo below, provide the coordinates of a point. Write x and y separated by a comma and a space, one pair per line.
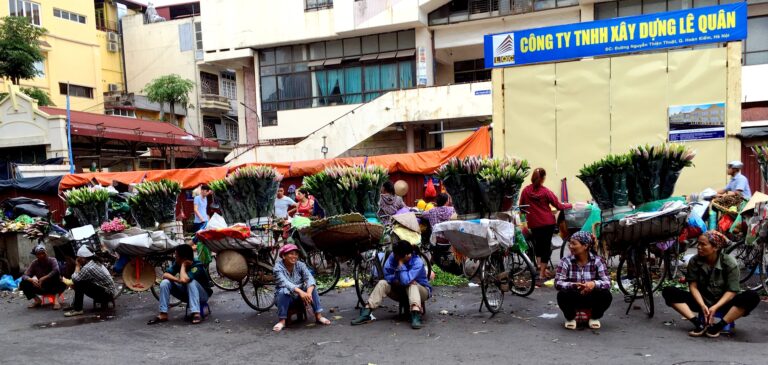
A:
748, 257
258, 289
366, 276
644, 283
490, 285
221, 281
326, 270
521, 274
656, 266
155, 289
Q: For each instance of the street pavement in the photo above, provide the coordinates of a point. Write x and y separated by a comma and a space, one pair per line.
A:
235, 334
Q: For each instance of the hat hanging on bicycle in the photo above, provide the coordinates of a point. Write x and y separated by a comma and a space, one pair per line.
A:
37, 249
736, 164
584, 237
287, 248
84, 252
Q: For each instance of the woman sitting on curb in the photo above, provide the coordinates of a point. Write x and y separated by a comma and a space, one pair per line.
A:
713, 280
294, 282
583, 282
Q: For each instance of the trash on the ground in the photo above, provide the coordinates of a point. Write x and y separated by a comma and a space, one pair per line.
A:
346, 283
337, 317
473, 285
668, 323
478, 332
310, 325
444, 312
326, 342
548, 315
549, 283
555, 340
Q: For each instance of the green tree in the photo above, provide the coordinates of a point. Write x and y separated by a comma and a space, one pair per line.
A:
19, 48
42, 97
171, 89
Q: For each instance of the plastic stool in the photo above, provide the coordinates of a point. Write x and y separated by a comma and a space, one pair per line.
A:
204, 308
51, 298
583, 316
728, 329
297, 308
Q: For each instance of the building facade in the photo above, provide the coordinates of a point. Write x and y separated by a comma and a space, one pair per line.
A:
399, 73
175, 46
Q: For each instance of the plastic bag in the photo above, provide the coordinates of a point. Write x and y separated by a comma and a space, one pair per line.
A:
216, 221
725, 223
7, 283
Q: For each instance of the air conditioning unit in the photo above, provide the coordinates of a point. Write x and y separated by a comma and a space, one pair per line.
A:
113, 87
113, 37
113, 47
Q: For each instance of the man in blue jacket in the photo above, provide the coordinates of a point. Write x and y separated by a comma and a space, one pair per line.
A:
404, 274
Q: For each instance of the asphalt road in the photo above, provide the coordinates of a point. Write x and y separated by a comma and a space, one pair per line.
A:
235, 334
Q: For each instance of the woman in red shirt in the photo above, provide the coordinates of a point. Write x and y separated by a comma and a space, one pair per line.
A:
305, 203
540, 219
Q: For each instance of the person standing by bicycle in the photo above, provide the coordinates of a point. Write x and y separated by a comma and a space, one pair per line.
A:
538, 198
713, 281
404, 275
90, 279
201, 208
583, 282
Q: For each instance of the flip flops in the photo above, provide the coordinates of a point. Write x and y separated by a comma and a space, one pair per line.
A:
571, 325
278, 327
594, 324
157, 320
324, 321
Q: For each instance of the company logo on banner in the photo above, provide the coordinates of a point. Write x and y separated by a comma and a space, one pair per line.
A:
682, 28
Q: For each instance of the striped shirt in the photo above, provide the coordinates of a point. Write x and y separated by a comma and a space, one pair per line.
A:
570, 272
97, 274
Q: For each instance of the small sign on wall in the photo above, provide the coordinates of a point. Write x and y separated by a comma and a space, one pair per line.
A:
696, 122
421, 67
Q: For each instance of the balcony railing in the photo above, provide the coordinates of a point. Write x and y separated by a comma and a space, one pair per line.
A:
215, 103
481, 9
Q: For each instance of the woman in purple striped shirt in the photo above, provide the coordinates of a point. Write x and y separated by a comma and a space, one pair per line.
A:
583, 282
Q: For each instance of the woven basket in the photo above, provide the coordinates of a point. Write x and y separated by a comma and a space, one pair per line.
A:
254, 242
723, 209
618, 237
347, 239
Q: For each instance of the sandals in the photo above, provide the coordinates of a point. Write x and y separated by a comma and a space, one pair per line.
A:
278, 327
324, 321
571, 325
196, 318
594, 324
35, 304
157, 320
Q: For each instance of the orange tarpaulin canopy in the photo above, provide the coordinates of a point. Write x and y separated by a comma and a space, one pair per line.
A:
477, 144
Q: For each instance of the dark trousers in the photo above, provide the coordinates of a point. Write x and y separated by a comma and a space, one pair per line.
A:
746, 300
542, 241
52, 285
597, 301
87, 288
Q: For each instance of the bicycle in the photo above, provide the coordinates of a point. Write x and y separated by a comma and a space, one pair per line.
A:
258, 287
753, 263
369, 270
324, 267
636, 259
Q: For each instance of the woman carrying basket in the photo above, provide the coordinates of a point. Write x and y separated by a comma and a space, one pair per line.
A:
540, 219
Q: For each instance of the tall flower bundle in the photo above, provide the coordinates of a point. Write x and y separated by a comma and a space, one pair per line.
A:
646, 173
89, 204
247, 193
761, 153
341, 190
142, 212
159, 198
480, 185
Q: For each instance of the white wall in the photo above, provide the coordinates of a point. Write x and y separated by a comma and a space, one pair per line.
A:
151, 51
300, 122
754, 83
23, 124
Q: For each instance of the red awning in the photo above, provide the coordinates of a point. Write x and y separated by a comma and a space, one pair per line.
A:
130, 129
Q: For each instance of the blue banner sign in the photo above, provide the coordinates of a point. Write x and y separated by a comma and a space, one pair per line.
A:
682, 28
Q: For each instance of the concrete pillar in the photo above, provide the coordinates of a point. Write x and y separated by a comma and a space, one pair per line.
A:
409, 143
587, 12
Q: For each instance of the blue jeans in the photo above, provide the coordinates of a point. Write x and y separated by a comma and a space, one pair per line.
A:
284, 301
191, 293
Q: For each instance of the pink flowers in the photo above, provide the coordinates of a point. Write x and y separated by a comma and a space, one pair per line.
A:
114, 226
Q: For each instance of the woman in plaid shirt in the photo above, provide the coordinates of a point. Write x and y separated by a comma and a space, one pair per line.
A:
583, 282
